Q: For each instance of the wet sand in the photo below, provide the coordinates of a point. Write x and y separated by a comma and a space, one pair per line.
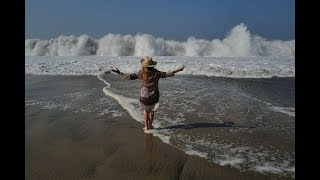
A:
63, 144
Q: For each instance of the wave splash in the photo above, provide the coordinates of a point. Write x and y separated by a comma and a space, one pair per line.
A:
238, 43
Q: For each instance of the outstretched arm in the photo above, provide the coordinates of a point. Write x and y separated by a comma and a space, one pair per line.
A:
116, 70
179, 69
126, 75
171, 73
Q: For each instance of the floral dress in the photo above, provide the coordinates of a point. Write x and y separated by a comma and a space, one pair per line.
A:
149, 92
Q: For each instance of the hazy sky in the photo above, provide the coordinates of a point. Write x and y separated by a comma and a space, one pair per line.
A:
170, 19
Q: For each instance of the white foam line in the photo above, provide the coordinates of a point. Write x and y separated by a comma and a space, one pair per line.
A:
232, 162
269, 104
268, 169
196, 153
288, 111
99, 77
157, 133
127, 103
285, 110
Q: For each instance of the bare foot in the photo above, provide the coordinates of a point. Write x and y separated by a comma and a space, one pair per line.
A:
145, 129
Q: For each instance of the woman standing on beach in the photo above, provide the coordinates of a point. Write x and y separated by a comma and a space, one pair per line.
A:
149, 93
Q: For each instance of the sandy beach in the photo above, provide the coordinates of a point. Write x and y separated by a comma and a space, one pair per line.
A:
83, 144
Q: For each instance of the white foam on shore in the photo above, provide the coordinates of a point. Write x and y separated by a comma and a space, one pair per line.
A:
129, 104
256, 99
289, 111
190, 151
244, 158
236, 67
274, 168
160, 134
268, 168
101, 78
285, 110
234, 162
72, 101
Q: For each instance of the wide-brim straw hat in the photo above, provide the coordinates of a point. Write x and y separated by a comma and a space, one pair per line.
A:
148, 62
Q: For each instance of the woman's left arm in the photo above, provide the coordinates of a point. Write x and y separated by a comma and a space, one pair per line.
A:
171, 73
179, 69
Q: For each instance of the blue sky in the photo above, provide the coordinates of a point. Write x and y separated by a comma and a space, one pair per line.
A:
170, 19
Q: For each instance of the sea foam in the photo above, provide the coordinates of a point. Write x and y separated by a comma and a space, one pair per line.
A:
237, 67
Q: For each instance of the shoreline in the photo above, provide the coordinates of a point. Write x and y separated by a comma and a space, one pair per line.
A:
66, 145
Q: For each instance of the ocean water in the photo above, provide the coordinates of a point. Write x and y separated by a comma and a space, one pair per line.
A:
237, 112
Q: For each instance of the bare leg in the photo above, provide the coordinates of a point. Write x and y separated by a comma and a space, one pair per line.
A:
151, 116
145, 120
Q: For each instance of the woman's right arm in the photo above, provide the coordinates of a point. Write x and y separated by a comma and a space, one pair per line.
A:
126, 75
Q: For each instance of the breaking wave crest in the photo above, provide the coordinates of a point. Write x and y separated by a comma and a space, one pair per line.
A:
238, 43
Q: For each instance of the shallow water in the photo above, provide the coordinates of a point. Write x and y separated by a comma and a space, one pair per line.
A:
248, 124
